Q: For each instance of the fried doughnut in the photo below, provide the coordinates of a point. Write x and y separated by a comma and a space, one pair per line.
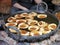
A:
24, 32
34, 33
52, 26
29, 17
10, 24
20, 21
33, 14
24, 14
12, 30
18, 16
41, 16
31, 28
11, 19
44, 31
42, 24
33, 22
22, 26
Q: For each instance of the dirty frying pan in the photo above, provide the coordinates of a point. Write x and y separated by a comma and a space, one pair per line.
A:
18, 37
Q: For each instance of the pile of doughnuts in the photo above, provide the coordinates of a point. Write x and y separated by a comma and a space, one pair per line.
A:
28, 26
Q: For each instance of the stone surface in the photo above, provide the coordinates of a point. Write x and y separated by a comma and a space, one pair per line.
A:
4, 37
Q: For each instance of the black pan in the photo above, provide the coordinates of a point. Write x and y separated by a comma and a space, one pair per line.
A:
50, 19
